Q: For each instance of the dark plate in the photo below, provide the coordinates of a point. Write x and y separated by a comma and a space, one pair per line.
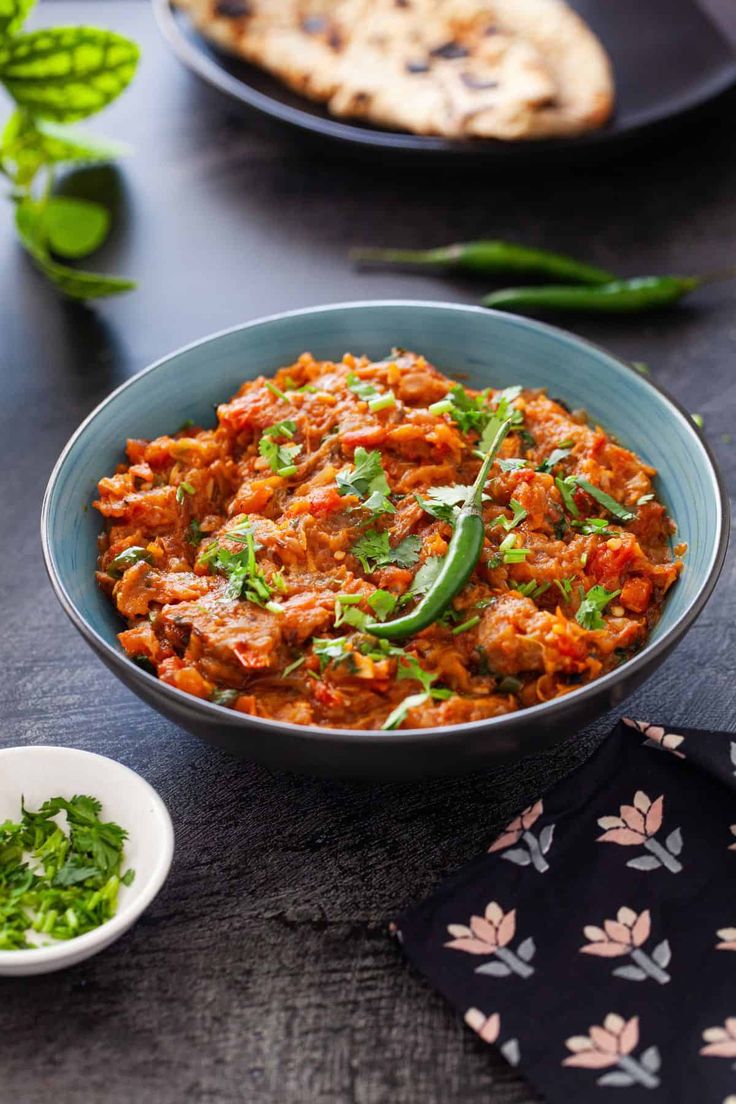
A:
669, 61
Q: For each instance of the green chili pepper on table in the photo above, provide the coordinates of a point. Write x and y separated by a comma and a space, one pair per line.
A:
462, 557
618, 296
487, 257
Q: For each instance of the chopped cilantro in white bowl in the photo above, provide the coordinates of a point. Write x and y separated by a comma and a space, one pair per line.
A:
85, 846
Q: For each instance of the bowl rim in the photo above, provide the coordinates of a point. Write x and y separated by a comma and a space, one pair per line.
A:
555, 708
82, 946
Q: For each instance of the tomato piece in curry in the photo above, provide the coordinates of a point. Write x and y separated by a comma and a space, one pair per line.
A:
246, 559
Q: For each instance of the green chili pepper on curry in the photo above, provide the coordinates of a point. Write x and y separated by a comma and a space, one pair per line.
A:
369, 544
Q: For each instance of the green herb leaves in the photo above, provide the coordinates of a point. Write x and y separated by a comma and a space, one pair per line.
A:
554, 458
75, 227
567, 487
67, 73
518, 514
614, 508
444, 502
374, 550
13, 14
56, 76
75, 284
280, 457
246, 578
367, 480
132, 555
70, 885
592, 605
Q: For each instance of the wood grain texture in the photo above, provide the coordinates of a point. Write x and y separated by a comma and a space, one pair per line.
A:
263, 972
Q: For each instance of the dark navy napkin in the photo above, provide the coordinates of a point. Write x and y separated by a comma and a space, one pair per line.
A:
594, 942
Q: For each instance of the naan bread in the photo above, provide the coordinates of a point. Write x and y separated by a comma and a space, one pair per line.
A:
506, 69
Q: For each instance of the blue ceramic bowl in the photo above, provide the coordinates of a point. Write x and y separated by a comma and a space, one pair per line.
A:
481, 347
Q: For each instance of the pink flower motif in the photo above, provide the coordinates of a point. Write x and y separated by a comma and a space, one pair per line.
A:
656, 734
604, 1046
522, 823
732, 847
486, 933
635, 824
721, 1041
619, 936
488, 1027
491, 934
728, 939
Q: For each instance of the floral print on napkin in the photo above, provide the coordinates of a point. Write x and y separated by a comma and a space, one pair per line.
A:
609, 972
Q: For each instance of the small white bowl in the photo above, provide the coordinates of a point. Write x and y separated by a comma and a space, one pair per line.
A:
38, 773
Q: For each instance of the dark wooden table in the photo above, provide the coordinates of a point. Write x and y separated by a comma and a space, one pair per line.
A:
263, 972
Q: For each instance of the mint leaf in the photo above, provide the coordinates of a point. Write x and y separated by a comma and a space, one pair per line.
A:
73, 282
67, 73
13, 14
30, 143
75, 227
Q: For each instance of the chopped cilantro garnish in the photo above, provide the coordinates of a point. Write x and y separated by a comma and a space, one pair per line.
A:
56, 882
347, 614
132, 555
509, 685
194, 532
383, 603
367, 480
469, 624
223, 697
293, 666
328, 649
519, 513
565, 587
374, 550
554, 458
532, 589
513, 463
277, 391
398, 715
280, 457
615, 508
596, 527
443, 503
468, 412
592, 605
425, 577
246, 578
382, 402
444, 406
511, 554
409, 667
362, 388
566, 487
182, 490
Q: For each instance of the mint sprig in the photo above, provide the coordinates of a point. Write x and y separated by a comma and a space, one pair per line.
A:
56, 76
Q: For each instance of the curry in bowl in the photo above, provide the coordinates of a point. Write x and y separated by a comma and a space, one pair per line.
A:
371, 545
